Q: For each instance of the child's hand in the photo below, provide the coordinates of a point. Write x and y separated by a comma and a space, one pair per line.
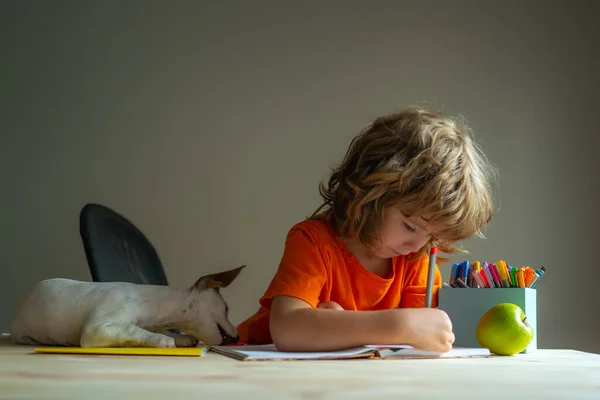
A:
330, 305
427, 329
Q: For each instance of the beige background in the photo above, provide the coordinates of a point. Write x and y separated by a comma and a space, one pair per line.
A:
210, 126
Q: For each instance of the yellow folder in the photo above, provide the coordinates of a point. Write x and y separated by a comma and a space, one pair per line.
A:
136, 351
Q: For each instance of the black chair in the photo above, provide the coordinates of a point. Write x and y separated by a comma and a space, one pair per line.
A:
116, 250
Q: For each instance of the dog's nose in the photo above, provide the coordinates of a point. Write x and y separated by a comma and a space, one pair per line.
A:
226, 338
230, 340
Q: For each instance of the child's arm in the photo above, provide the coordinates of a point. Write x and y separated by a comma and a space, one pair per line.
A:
296, 326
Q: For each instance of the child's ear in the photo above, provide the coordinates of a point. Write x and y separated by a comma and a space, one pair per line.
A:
218, 280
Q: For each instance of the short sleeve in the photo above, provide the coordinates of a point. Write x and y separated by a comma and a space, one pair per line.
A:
415, 284
302, 271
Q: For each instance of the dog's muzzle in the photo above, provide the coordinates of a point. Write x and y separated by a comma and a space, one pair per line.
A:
226, 338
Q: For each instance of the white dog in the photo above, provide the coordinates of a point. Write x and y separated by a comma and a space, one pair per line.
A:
64, 312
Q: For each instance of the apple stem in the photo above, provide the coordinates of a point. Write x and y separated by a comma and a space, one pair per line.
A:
524, 319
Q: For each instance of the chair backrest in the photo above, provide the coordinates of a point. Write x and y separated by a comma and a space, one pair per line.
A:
116, 250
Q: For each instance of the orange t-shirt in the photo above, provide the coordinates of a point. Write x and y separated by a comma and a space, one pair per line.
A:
318, 267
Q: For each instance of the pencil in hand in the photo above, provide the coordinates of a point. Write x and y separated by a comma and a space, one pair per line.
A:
430, 276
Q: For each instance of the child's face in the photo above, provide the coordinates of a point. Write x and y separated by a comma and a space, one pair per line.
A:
402, 235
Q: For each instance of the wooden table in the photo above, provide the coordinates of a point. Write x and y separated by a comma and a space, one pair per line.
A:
545, 374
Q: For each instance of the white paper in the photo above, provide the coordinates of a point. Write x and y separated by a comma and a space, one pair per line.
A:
390, 351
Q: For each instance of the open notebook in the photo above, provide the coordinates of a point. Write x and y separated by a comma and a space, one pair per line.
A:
270, 352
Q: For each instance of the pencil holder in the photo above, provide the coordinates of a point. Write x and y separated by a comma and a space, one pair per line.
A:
466, 306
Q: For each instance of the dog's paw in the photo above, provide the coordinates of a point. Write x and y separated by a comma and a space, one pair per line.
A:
165, 342
186, 341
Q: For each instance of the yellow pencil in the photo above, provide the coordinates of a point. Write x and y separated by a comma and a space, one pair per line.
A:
139, 351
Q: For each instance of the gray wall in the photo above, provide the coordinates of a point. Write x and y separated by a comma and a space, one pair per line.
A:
210, 127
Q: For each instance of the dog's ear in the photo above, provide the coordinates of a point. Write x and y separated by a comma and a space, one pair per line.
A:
218, 280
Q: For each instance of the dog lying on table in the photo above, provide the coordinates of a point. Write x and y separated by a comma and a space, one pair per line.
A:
64, 312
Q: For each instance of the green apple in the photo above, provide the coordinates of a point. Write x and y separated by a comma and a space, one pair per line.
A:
504, 330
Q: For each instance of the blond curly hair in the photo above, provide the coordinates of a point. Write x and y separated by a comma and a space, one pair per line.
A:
423, 161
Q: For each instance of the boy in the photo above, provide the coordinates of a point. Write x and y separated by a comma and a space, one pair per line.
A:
355, 272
